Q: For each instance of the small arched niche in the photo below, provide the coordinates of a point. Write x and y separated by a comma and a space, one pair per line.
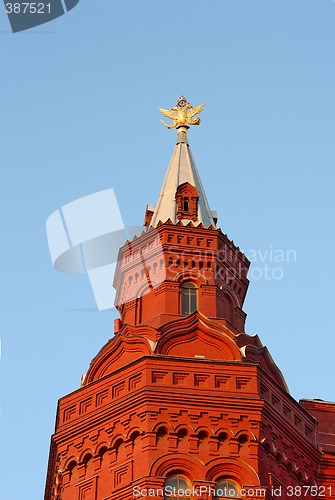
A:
187, 202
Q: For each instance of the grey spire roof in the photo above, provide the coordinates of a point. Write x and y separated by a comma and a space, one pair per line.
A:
181, 169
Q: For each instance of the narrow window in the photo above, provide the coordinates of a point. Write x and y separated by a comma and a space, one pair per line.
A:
185, 204
189, 298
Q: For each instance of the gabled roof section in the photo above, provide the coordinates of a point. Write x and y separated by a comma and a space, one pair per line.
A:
182, 169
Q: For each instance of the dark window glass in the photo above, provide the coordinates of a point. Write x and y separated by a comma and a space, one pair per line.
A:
186, 208
189, 298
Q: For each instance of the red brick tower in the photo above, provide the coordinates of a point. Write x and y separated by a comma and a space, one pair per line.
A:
181, 402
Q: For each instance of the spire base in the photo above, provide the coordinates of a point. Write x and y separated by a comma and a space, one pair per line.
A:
182, 134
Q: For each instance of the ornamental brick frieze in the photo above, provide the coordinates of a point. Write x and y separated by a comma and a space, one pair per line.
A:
118, 458
196, 376
188, 439
288, 412
287, 457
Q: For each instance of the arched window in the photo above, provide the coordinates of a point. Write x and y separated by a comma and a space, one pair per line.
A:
226, 488
188, 298
177, 487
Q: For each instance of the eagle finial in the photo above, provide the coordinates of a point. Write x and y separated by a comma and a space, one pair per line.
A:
182, 115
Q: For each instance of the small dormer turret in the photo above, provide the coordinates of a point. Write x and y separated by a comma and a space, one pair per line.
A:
187, 202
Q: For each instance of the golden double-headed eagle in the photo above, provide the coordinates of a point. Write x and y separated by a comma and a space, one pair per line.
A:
182, 114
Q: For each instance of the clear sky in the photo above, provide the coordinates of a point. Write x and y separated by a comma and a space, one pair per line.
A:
79, 113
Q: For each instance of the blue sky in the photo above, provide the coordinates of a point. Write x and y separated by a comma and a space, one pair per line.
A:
79, 113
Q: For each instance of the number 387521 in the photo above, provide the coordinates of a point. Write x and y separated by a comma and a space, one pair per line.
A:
28, 8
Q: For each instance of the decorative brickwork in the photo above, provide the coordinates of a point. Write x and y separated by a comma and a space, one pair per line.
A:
184, 391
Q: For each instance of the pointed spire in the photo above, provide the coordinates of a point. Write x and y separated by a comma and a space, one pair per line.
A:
182, 197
